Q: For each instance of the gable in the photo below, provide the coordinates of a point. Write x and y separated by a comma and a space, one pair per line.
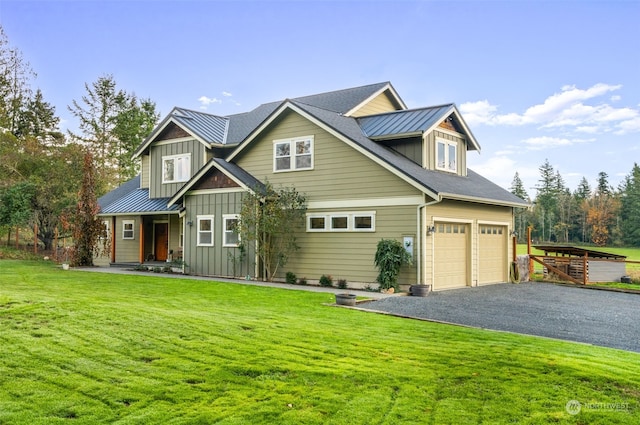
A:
171, 131
381, 103
215, 179
339, 171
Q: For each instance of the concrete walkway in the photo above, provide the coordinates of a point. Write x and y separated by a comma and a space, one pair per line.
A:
308, 288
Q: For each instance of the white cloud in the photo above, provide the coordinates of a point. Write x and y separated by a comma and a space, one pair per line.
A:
568, 108
615, 98
546, 142
628, 126
226, 94
206, 101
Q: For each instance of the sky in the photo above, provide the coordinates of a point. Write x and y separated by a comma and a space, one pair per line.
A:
534, 80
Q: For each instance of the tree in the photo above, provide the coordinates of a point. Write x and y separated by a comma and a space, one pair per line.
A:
39, 120
546, 199
112, 124
16, 205
15, 76
630, 207
132, 126
581, 194
87, 228
269, 218
601, 211
517, 188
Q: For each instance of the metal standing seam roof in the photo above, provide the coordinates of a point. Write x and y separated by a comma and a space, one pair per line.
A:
211, 128
405, 122
137, 202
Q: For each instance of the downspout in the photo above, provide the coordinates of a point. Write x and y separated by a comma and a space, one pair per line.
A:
419, 237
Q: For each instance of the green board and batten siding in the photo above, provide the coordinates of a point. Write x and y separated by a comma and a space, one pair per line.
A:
214, 260
198, 157
341, 175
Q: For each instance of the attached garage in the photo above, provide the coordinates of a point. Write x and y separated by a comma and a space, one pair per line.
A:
492, 254
451, 255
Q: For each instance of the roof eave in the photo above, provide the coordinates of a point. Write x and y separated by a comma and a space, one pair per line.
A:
480, 200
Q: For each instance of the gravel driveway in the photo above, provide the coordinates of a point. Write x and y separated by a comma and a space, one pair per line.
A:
609, 319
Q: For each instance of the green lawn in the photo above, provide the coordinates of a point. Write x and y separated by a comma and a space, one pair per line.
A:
86, 348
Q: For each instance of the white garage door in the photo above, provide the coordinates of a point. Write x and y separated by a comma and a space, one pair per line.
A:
451, 255
492, 254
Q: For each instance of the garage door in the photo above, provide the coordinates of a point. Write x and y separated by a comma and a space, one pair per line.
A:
451, 255
492, 254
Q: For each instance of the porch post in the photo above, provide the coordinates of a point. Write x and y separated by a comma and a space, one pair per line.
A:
141, 249
113, 239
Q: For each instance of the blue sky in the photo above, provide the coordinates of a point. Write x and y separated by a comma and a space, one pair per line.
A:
534, 79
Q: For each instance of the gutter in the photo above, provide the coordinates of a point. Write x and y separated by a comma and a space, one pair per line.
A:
419, 237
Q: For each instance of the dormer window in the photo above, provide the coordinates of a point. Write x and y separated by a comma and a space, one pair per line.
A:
176, 168
446, 155
293, 154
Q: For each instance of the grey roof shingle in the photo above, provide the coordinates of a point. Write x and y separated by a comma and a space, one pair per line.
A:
239, 173
437, 182
342, 101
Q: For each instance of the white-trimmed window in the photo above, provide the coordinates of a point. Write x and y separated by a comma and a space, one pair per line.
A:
231, 238
446, 155
342, 222
128, 227
176, 168
293, 154
205, 230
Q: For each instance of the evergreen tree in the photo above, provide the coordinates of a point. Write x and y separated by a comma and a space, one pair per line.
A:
546, 200
112, 124
521, 214
579, 227
630, 208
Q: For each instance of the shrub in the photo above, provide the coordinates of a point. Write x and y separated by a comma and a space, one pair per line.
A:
326, 280
290, 278
390, 257
342, 283
302, 281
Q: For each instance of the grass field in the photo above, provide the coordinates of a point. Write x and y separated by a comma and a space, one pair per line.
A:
86, 348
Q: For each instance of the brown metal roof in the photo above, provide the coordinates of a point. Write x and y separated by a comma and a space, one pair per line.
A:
578, 252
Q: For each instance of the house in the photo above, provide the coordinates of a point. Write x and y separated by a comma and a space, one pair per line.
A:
371, 169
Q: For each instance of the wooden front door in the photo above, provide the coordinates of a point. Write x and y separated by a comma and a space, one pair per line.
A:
161, 235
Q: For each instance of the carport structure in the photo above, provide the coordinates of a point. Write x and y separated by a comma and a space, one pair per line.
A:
580, 265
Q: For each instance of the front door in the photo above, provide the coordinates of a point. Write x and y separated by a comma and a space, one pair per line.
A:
161, 235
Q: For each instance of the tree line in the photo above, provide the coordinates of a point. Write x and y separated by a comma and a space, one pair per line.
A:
602, 215
42, 168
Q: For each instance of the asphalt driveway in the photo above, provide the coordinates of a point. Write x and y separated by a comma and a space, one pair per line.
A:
609, 319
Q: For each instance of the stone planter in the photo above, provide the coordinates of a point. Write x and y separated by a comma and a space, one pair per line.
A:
65, 266
420, 290
346, 299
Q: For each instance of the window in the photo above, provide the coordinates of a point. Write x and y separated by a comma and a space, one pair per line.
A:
341, 222
446, 155
316, 223
293, 154
128, 229
231, 236
176, 168
363, 222
205, 230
